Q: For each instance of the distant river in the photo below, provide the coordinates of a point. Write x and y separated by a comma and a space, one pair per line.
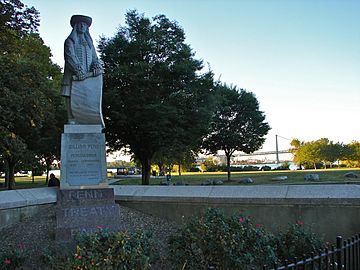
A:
271, 165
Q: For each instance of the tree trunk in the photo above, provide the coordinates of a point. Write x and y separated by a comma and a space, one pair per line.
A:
6, 173
160, 165
179, 169
228, 156
11, 180
145, 171
314, 165
33, 175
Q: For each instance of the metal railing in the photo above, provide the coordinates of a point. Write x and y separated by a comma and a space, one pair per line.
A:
344, 256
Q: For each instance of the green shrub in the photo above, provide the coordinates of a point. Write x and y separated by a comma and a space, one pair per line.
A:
214, 240
298, 240
104, 250
11, 258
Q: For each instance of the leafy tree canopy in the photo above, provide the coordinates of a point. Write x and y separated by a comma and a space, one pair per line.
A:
155, 94
27, 76
16, 20
351, 154
237, 125
319, 151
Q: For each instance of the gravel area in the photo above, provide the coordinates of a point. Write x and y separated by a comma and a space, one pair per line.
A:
37, 233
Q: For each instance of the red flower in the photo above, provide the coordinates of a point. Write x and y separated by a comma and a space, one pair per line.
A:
241, 220
300, 222
7, 261
258, 225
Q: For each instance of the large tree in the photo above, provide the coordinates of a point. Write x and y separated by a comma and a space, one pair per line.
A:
155, 96
237, 125
26, 75
46, 142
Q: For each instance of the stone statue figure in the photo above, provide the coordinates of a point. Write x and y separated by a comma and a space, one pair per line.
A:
82, 81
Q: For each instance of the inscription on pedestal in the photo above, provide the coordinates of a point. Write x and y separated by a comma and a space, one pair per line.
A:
83, 159
77, 197
74, 232
95, 211
85, 210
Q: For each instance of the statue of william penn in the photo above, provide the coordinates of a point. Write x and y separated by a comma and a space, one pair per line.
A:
82, 82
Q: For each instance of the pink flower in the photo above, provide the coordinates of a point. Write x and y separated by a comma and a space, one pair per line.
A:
258, 225
300, 222
7, 261
78, 257
241, 220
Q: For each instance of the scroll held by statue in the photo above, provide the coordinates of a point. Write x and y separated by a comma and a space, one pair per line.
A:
86, 97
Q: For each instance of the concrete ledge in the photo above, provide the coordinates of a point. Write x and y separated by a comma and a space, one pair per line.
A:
280, 194
27, 197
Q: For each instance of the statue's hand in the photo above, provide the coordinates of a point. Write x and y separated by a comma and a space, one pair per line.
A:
97, 72
96, 69
80, 74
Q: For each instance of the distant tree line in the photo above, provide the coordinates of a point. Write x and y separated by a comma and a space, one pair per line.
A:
324, 153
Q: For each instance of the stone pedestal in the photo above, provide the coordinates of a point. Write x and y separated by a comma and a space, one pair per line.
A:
85, 203
85, 211
83, 157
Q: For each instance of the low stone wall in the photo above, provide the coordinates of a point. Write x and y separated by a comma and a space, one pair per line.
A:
330, 209
18, 204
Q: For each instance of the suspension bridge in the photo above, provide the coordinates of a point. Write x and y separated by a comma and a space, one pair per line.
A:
277, 152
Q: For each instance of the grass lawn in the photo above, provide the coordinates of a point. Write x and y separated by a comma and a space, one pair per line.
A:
22, 182
328, 176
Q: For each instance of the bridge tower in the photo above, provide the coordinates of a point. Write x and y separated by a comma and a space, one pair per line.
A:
277, 149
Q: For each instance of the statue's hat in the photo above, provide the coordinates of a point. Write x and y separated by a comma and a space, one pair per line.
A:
80, 18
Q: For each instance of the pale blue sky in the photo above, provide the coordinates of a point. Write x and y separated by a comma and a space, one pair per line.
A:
300, 58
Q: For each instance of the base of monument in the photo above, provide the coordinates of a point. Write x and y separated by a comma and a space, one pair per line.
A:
85, 211
83, 157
